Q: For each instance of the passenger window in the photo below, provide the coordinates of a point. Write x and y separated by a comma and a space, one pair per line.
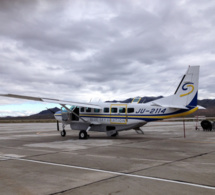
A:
114, 110
130, 110
96, 110
82, 109
121, 110
88, 110
106, 110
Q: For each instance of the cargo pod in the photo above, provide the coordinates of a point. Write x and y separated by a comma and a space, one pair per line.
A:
118, 113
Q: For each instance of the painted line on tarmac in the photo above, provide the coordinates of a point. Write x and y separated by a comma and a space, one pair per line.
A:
198, 142
139, 159
118, 173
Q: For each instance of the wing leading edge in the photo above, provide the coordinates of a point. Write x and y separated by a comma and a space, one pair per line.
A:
56, 101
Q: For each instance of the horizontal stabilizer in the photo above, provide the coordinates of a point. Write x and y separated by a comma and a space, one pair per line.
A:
201, 107
169, 105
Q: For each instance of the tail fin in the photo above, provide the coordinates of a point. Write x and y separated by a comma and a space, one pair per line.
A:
187, 91
186, 94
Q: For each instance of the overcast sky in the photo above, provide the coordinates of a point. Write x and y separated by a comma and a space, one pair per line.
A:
95, 50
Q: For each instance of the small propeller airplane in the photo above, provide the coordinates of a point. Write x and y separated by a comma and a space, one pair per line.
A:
114, 117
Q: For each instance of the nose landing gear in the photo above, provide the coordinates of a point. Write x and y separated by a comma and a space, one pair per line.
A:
63, 133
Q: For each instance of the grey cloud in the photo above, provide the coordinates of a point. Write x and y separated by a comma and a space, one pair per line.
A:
58, 48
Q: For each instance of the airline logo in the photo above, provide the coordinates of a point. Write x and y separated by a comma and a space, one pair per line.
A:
187, 86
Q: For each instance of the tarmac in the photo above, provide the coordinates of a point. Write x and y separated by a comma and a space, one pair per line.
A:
35, 159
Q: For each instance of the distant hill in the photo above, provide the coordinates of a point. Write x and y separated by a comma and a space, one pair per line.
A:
45, 114
209, 104
143, 100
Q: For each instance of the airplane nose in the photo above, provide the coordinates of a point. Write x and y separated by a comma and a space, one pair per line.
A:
58, 115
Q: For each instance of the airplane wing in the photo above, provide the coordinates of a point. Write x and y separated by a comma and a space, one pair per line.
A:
61, 102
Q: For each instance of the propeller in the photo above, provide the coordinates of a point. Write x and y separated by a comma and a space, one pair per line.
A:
58, 126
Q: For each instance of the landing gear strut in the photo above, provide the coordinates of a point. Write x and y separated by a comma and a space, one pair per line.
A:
63, 133
83, 134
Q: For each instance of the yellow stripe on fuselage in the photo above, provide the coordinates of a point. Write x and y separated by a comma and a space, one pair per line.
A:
153, 117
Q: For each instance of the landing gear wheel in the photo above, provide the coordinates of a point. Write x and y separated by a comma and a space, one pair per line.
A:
83, 135
206, 125
115, 134
63, 133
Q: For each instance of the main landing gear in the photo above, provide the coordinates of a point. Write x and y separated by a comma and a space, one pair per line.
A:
83, 134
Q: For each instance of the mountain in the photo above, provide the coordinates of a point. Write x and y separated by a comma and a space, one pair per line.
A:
207, 103
143, 100
47, 114
48, 111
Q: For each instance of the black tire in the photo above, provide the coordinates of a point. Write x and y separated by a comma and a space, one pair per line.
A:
115, 134
63, 133
206, 125
83, 134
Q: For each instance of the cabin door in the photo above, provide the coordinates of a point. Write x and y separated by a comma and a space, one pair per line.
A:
74, 117
118, 114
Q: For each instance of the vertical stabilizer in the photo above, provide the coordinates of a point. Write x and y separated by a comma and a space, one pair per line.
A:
186, 93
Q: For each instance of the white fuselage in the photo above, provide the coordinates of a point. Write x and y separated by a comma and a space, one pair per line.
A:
120, 115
